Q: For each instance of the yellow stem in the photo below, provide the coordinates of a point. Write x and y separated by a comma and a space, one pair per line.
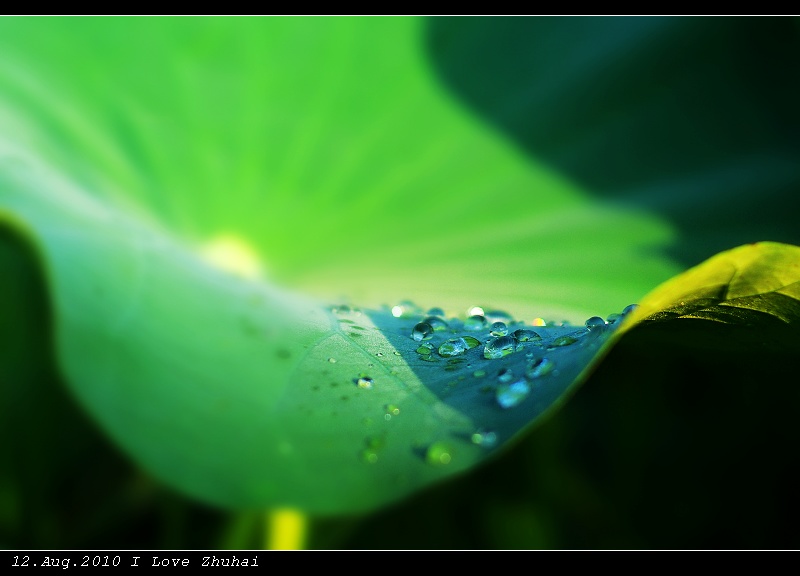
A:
286, 529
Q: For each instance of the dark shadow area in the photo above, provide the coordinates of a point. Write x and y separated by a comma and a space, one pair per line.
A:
684, 438
63, 485
694, 119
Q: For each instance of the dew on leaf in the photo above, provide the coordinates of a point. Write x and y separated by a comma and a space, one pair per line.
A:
526, 335
364, 381
500, 347
595, 322
425, 349
498, 329
539, 368
332, 360
538, 322
436, 312
422, 331
631, 307
457, 346
512, 394
475, 311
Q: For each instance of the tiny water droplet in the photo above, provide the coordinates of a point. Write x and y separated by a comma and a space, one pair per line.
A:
538, 322
364, 381
332, 360
475, 311
485, 438
499, 329
379, 354
392, 409
438, 453
425, 349
396, 353
422, 331
539, 368
475, 322
505, 375
436, 312
525, 335
510, 395
595, 322
500, 347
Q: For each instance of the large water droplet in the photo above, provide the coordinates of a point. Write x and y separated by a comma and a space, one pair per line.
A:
422, 331
500, 347
525, 335
498, 329
475, 322
595, 322
458, 346
512, 394
425, 349
485, 438
439, 453
539, 368
364, 381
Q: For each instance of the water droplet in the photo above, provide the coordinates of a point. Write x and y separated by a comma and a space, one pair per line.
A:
396, 353
595, 322
485, 438
379, 354
458, 346
342, 309
500, 347
563, 341
631, 307
525, 335
475, 311
436, 323
479, 373
332, 360
438, 453
505, 375
425, 349
612, 318
498, 329
510, 395
391, 410
397, 311
475, 322
436, 312
364, 381
538, 322
539, 368
422, 331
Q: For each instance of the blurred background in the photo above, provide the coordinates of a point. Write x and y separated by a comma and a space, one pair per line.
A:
578, 161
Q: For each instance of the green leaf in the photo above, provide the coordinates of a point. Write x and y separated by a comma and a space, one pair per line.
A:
312, 160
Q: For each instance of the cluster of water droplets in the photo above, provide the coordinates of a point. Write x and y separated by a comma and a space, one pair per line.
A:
471, 344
